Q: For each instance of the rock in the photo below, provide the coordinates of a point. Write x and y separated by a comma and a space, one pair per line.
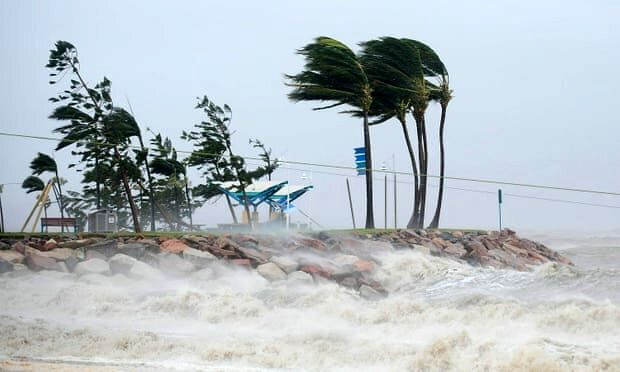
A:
271, 271
121, 264
349, 282
62, 267
433, 249
456, 250
409, 235
11, 256
364, 266
171, 263
19, 247
200, 259
38, 263
457, 234
507, 259
73, 244
346, 259
253, 255
49, 245
20, 267
135, 250
94, 254
440, 243
242, 262
369, 293
300, 277
151, 258
92, 266
421, 249
106, 247
312, 243
315, 271
4, 246
288, 265
59, 254
140, 270
5, 266
476, 250
173, 246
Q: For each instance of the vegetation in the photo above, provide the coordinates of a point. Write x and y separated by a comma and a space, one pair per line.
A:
389, 78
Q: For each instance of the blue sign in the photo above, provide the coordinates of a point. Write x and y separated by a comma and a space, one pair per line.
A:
360, 160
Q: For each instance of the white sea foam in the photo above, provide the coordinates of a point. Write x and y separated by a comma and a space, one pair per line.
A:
440, 315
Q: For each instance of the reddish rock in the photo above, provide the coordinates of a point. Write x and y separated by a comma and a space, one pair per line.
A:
440, 243
37, 263
365, 266
456, 250
19, 247
457, 234
49, 245
246, 238
173, 246
312, 243
315, 270
11, 256
254, 255
476, 249
514, 249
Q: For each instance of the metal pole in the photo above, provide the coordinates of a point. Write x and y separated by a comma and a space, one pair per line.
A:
395, 222
350, 203
385, 200
499, 199
1, 212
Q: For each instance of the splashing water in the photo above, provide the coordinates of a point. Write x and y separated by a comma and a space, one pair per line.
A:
440, 315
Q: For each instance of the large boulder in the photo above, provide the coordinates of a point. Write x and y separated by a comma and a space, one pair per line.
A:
200, 259
37, 263
92, 266
456, 250
121, 264
59, 254
73, 244
106, 248
135, 250
49, 245
141, 270
300, 277
288, 265
173, 246
271, 271
12, 256
170, 263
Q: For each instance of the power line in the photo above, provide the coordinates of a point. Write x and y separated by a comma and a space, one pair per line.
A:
478, 180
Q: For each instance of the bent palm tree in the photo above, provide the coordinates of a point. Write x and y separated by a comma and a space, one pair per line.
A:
334, 73
44, 163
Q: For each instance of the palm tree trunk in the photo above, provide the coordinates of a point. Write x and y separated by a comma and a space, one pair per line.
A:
150, 179
414, 222
414, 167
370, 220
98, 183
231, 209
423, 176
132, 203
62, 205
435, 222
189, 202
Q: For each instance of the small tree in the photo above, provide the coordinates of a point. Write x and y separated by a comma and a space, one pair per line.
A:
214, 155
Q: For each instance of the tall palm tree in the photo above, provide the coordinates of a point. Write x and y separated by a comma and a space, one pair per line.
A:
44, 163
444, 96
390, 66
334, 73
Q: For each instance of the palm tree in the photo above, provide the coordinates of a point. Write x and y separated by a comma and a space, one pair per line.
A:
334, 73
390, 64
44, 163
444, 96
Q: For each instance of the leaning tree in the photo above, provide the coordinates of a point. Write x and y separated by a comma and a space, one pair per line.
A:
334, 73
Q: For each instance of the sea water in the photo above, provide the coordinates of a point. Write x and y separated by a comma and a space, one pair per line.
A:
440, 315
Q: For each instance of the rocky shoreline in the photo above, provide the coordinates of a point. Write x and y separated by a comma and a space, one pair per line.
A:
350, 259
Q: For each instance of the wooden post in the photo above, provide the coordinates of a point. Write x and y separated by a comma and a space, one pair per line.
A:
350, 203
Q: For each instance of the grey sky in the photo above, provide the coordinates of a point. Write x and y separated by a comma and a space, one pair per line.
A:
534, 85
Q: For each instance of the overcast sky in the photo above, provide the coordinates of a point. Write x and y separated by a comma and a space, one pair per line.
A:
535, 86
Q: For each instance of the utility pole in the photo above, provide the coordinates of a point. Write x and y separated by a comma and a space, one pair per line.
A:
499, 199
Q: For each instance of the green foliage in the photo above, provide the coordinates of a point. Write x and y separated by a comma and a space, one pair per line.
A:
32, 184
43, 163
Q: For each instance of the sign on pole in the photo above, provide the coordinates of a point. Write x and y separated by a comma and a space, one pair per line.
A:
360, 160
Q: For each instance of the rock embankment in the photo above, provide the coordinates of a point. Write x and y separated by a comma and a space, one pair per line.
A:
348, 259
